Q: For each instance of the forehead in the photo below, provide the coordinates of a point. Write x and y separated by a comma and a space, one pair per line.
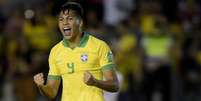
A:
67, 12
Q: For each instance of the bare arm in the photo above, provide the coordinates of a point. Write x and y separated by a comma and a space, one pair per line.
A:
50, 89
110, 83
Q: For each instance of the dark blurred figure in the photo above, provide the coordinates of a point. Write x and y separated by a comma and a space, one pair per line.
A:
129, 60
156, 42
190, 69
41, 32
19, 59
23, 71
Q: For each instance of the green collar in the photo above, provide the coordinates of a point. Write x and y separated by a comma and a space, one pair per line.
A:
82, 43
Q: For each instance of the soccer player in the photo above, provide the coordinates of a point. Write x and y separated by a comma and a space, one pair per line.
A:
83, 62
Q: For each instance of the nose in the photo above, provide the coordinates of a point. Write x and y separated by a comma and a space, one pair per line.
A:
65, 22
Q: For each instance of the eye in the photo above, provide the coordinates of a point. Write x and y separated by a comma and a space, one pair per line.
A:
61, 19
70, 18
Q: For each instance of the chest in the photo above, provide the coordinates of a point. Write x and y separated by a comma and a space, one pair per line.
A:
71, 61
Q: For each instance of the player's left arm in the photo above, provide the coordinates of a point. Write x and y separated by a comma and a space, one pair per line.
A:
110, 82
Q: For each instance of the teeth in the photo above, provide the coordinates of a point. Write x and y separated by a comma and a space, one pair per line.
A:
66, 29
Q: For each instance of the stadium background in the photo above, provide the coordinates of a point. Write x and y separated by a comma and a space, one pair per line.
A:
156, 44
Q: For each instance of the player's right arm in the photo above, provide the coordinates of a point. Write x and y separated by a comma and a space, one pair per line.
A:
49, 89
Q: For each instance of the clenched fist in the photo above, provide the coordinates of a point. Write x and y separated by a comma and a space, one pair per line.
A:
89, 79
39, 79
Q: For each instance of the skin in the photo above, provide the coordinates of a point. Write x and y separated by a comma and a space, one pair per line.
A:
69, 19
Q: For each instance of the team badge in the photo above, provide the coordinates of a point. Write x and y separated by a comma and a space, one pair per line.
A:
84, 57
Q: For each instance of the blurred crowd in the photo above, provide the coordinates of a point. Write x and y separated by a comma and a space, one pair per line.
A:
156, 46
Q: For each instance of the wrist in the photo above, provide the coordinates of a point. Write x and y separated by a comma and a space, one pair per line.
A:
95, 82
40, 85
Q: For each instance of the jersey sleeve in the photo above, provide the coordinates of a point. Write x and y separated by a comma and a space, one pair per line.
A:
53, 70
106, 57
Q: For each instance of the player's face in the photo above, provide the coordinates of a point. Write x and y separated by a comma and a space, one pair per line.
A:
69, 24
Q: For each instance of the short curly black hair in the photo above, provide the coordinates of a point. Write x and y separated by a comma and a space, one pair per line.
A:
73, 6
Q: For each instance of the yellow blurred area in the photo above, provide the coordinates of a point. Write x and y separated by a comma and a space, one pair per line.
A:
127, 42
40, 36
175, 28
148, 24
157, 46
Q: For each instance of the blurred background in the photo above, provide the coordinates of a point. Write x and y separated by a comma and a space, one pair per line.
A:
156, 46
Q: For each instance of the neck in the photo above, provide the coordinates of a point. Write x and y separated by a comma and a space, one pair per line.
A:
75, 41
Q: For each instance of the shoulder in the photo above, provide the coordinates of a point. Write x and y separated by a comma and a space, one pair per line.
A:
56, 47
97, 42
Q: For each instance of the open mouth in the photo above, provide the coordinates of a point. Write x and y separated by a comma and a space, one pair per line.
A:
66, 31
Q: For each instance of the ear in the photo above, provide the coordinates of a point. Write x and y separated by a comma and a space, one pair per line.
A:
78, 21
80, 24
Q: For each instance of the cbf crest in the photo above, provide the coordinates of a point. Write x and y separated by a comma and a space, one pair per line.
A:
84, 57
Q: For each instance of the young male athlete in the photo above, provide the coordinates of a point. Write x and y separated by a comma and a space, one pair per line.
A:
80, 60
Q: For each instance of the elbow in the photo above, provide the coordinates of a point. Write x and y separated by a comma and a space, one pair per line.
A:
48, 91
51, 97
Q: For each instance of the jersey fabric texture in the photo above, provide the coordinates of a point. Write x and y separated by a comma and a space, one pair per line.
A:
68, 64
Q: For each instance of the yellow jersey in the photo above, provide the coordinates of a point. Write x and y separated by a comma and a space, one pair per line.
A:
91, 55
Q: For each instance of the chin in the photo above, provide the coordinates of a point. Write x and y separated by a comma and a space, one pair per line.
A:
67, 37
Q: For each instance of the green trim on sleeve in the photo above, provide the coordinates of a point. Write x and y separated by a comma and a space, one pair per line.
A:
54, 77
108, 67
